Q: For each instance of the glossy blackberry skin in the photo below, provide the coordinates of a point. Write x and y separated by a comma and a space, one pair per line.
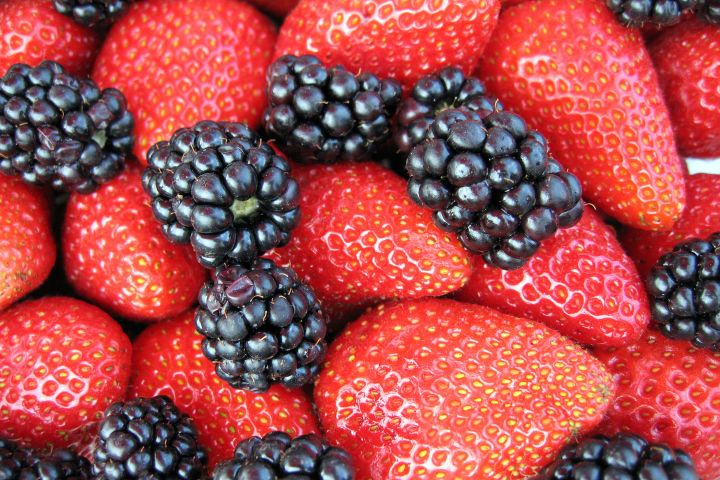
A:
262, 326
92, 13
218, 187
622, 457
148, 438
59, 130
710, 11
492, 182
435, 93
325, 115
277, 456
17, 463
658, 12
684, 292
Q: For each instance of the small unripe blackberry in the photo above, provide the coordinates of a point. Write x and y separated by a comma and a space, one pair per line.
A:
92, 13
17, 463
658, 12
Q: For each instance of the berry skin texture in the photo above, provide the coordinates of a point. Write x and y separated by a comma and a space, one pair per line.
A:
691, 50
92, 13
667, 392
168, 360
597, 101
177, 67
430, 387
393, 39
360, 242
62, 362
17, 463
116, 256
27, 246
580, 283
34, 31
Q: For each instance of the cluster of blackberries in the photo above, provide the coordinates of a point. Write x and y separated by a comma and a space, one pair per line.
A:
662, 12
17, 463
92, 13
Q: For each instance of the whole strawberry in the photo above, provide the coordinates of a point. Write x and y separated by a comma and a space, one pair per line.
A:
440, 389
115, 254
62, 362
593, 93
393, 39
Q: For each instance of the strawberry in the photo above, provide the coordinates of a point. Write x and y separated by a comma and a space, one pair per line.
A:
441, 389
115, 254
168, 360
580, 283
27, 246
668, 392
279, 8
62, 363
181, 62
400, 39
34, 31
593, 93
700, 218
361, 240
691, 50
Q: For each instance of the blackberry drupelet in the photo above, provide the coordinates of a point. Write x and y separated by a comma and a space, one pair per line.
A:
262, 325
17, 463
148, 438
92, 13
435, 93
220, 188
320, 114
658, 12
60, 130
491, 181
622, 457
684, 291
710, 11
277, 456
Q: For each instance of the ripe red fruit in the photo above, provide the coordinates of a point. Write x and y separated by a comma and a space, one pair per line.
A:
115, 254
181, 62
33, 31
361, 240
668, 392
687, 60
441, 389
168, 360
399, 39
27, 246
593, 92
62, 363
580, 283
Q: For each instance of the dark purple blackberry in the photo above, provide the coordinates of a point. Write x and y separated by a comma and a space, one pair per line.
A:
60, 130
320, 114
435, 93
491, 181
148, 438
220, 188
262, 326
659, 12
18, 463
622, 457
684, 290
710, 11
92, 13
276, 456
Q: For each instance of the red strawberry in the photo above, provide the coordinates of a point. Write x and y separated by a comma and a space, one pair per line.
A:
687, 60
593, 92
27, 246
181, 62
279, 8
168, 360
116, 256
668, 392
580, 283
361, 240
700, 218
399, 38
62, 363
33, 31
442, 389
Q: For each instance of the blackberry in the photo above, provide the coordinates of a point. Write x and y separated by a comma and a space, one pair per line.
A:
17, 463
92, 13
710, 11
622, 457
262, 325
684, 291
658, 12
59, 130
277, 456
320, 114
220, 188
148, 438
491, 181
435, 93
